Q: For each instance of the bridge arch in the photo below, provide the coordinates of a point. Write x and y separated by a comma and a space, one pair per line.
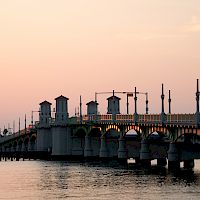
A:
32, 142
33, 137
80, 132
191, 137
78, 141
157, 135
112, 131
95, 132
94, 135
111, 137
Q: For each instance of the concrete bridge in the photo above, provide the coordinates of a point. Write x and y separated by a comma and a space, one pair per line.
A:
144, 137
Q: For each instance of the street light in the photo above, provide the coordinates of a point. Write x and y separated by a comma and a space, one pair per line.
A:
135, 99
146, 94
197, 96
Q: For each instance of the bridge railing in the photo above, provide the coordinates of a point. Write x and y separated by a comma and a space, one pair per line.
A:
16, 134
125, 118
94, 118
149, 118
186, 119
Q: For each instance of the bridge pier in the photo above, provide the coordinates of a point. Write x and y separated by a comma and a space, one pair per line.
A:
187, 154
77, 148
59, 142
88, 153
145, 156
173, 157
103, 154
44, 139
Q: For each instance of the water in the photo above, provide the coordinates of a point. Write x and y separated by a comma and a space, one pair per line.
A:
63, 180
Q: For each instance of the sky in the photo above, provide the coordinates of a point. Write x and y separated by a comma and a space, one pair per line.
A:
73, 48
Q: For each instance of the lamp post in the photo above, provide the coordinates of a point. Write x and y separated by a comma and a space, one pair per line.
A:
163, 115
197, 97
162, 98
146, 101
81, 117
169, 100
197, 105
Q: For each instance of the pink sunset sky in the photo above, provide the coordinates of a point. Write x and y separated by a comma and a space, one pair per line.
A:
79, 47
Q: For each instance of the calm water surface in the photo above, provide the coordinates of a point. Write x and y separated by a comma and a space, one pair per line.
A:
63, 180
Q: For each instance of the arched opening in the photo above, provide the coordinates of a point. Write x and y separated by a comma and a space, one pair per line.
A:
112, 136
80, 132
133, 140
95, 137
158, 147
78, 142
188, 138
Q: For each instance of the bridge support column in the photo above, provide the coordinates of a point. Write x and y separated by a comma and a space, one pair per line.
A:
103, 149
88, 147
122, 151
59, 142
77, 148
173, 157
145, 156
44, 142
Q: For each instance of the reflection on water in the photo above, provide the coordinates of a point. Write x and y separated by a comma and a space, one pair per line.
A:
61, 180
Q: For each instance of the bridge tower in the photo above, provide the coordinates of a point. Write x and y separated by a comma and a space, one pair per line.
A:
61, 109
44, 136
92, 108
113, 105
45, 113
61, 139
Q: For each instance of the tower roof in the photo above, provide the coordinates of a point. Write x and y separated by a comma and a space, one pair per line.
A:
92, 102
113, 97
61, 97
45, 102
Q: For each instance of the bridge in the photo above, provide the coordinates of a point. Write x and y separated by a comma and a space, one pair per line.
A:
168, 138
